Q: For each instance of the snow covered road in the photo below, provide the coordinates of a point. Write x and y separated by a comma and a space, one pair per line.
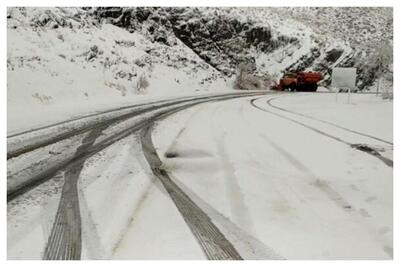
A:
244, 178
36, 158
301, 194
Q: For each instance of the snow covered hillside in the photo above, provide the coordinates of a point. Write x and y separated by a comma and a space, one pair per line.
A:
366, 31
61, 62
68, 61
275, 39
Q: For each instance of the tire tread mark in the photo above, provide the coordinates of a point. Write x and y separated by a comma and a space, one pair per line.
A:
65, 240
88, 126
213, 243
47, 174
269, 102
385, 160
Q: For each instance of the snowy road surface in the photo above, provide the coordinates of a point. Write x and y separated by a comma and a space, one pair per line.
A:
279, 176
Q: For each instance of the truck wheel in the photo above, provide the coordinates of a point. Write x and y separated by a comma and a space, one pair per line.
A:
301, 88
313, 87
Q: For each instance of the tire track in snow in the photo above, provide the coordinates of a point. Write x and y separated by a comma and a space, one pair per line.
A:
321, 184
90, 234
171, 151
103, 113
42, 141
212, 241
269, 102
17, 185
250, 247
238, 207
367, 150
65, 240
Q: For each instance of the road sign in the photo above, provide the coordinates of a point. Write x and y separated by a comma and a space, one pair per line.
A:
344, 78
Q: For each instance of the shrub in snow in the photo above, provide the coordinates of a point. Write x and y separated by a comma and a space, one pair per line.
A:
142, 84
378, 66
93, 52
248, 80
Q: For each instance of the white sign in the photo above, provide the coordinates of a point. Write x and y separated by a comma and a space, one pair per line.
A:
344, 78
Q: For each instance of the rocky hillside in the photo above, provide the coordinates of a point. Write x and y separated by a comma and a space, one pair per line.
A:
268, 39
368, 31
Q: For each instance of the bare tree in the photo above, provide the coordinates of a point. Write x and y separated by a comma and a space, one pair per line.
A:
382, 58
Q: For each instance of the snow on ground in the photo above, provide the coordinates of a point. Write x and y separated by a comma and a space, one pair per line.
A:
123, 209
30, 220
301, 194
274, 188
58, 71
125, 212
365, 113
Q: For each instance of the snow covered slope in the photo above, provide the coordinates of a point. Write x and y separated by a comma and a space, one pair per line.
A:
61, 62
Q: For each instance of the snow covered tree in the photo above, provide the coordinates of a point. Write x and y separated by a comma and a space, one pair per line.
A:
382, 60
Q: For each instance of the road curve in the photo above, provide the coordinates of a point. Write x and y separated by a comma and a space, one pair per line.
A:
41, 138
64, 241
23, 180
359, 147
269, 102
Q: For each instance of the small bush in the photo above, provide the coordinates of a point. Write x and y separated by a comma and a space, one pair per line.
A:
142, 84
246, 80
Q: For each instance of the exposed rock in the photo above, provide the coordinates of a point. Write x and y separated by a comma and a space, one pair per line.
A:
258, 34
333, 55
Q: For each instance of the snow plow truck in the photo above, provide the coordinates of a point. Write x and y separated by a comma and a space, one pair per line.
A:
300, 81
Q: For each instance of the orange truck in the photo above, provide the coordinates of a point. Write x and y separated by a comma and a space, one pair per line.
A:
300, 81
